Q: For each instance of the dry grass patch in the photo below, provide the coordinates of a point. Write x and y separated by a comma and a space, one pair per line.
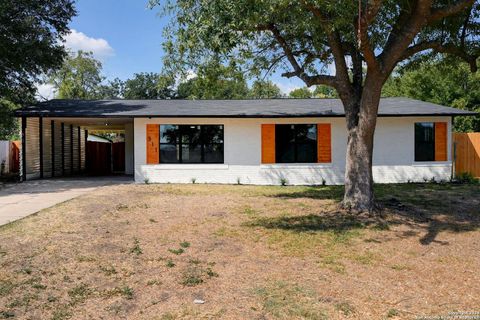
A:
149, 251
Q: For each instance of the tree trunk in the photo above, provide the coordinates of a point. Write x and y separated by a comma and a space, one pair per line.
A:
361, 120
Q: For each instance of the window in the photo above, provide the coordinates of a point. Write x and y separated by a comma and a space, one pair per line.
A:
296, 143
424, 141
191, 143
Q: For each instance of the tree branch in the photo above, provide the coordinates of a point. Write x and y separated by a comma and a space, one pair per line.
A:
361, 26
459, 6
403, 32
336, 46
442, 48
298, 71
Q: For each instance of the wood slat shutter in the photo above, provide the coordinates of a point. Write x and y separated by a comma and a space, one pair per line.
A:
153, 140
268, 143
440, 141
324, 143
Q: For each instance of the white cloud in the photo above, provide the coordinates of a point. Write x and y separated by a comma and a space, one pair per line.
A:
191, 75
76, 40
45, 91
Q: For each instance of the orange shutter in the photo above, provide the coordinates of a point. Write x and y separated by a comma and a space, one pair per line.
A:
324, 143
440, 141
268, 143
153, 134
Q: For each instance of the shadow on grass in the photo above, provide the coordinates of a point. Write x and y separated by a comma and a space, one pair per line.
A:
433, 207
314, 223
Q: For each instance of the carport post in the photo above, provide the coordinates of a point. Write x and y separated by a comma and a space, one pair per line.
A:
79, 149
86, 138
40, 134
52, 126
24, 149
63, 149
71, 149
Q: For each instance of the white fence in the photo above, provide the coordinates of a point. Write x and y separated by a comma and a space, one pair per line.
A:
5, 156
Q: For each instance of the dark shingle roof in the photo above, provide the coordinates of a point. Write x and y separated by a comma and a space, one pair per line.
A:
264, 108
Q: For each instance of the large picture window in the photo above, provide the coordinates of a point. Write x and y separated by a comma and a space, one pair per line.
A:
191, 143
424, 141
296, 143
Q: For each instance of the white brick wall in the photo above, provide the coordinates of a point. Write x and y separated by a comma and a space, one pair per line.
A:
393, 155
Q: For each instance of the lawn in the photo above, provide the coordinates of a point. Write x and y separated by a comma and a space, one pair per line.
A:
248, 252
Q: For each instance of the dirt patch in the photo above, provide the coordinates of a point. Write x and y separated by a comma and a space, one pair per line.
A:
149, 251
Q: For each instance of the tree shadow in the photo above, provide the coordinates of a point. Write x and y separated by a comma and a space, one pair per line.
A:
334, 193
434, 208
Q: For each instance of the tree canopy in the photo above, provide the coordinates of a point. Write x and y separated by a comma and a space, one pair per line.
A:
31, 33
79, 77
264, 89
214, 80
301, 93
148, 86
444, 81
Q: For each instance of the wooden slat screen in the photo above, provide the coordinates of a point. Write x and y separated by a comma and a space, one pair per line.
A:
153, 140
440, 141
268, 143
324, 143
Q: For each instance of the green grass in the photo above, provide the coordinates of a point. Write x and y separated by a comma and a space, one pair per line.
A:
176, 251
80, 293
6, 287
284, 300
136, 249
185, 244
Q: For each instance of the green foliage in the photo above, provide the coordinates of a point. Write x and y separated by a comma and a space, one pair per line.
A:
9, 125
148, 86
214, 80
443, 81
322, 91
264, 89
114, 89
466, 177
79, 78
300, 93
30, 43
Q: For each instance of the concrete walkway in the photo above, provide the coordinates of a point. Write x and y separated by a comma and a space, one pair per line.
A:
20, 200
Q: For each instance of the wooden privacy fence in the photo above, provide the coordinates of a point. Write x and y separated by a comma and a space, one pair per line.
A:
105, 158
466, 148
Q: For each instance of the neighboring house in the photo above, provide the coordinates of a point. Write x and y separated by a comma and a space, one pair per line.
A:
95, 138
246, 141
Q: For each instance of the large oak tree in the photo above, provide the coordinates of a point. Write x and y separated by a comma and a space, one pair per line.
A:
364, 40
31, 35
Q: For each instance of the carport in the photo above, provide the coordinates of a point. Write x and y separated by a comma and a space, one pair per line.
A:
54, 139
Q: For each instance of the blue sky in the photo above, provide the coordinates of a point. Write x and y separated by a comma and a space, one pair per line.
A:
127, 37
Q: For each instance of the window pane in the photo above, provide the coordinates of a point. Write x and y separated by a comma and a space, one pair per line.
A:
307, 152
212, 134
285, 143
213, 153
168, 134
169, 153
424, 141
306, 133
191, 153
190, 134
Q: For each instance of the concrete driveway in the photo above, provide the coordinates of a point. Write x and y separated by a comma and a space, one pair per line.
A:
20, 200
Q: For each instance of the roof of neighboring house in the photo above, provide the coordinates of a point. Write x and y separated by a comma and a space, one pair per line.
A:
95, 138
260, 108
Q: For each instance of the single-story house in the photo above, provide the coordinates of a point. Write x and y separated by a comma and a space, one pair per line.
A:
302, 141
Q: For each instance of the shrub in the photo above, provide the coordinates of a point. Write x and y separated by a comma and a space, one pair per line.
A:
283, 181
466, 177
